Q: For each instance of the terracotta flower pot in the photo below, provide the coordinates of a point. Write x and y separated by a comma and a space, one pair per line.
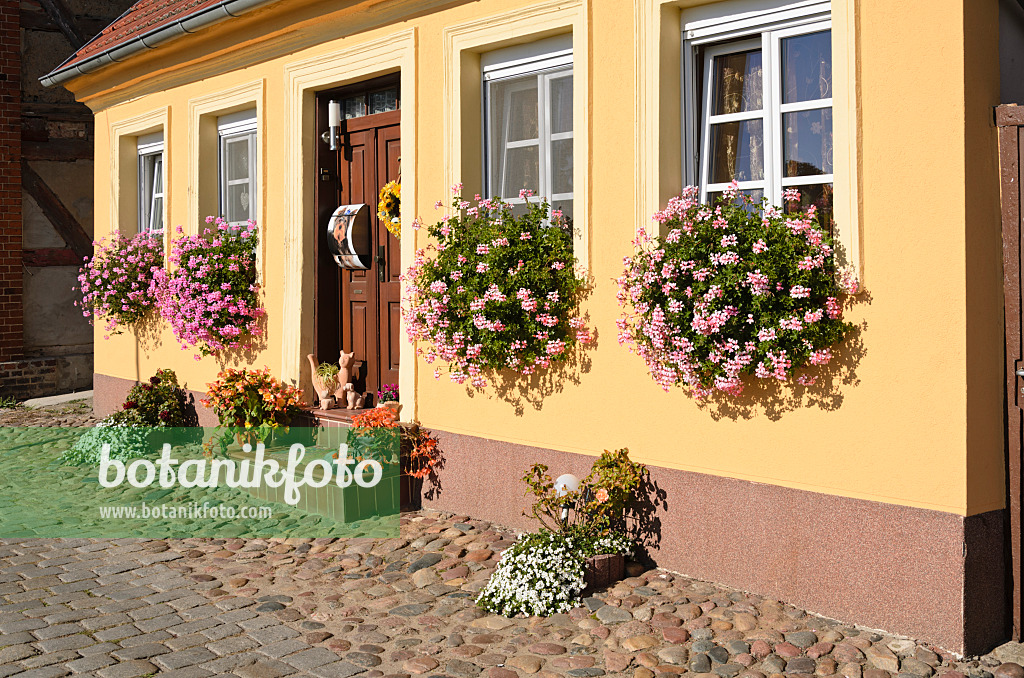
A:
394, 405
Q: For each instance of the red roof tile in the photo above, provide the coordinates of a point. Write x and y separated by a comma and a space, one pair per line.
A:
143, 17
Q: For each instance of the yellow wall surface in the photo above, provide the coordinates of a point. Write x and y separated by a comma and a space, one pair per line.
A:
912, 414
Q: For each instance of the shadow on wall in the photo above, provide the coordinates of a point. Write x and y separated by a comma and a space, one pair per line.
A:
642, 521
246, 354
773, 399
520, 391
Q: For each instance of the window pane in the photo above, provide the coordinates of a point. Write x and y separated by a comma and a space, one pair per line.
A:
737, 151
158, 174
565, 206
236, 153
561, 105
807, 143
807, 67
521, 171
355, 107
238, 203
756, 193
737, 83
150, 183
561, 166
514, 109
384, 101
819, 195
512, 120
156, 218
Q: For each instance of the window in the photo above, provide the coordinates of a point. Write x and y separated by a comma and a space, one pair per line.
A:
151, 183
764, 96
380, 101
237, 166
528, 122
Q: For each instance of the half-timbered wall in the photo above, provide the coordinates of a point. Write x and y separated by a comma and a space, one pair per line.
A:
46, 197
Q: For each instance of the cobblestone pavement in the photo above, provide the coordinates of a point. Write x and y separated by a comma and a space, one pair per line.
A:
74, 413
403, 606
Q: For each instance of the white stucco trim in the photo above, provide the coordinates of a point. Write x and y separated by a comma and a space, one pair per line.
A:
396, 51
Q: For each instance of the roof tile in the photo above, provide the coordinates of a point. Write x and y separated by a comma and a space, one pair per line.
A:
143, 17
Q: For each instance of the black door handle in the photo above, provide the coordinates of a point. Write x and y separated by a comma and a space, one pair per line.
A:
381, 250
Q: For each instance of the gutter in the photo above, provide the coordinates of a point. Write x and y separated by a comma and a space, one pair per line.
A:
188, 24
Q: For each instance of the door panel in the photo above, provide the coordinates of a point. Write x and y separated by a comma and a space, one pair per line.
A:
394, 332
359, 289
390, 291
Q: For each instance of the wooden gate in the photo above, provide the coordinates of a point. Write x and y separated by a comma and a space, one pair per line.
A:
1010, 120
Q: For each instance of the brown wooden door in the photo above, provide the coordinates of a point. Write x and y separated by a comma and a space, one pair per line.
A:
359, 310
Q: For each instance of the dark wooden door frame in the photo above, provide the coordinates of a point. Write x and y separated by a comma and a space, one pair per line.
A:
1010, 121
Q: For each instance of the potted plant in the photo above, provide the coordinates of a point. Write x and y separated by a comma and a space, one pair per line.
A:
500, 293
387, 396
119, 281
251, 405
581, 544
734, 290
325, 381
140, 426
377, 434
210, 297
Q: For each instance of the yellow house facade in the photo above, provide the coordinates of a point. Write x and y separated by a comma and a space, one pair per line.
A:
878, 497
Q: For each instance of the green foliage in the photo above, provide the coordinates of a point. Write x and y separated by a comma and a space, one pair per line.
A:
327, 370
501, 292
733, 289
127, 441
10, 403
158, 402
600, 501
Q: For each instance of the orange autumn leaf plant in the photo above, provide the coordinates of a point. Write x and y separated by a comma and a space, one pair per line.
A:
381, 423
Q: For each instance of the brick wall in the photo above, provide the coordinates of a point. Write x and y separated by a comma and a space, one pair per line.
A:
24, 379
11, 345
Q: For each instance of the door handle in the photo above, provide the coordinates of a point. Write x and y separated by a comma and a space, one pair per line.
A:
381, 251
1020, 373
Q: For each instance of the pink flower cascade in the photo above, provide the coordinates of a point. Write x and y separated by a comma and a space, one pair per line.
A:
211, 298
499, 292
118, 281
732, 289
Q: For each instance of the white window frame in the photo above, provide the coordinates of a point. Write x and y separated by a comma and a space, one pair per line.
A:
741, 26
150, 148
234, 128
549, 59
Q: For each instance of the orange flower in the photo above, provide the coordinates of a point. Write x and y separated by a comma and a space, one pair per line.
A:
602, 495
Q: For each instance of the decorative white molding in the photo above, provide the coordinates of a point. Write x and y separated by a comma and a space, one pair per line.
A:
146, 123
396, 51
221, 102
517, 27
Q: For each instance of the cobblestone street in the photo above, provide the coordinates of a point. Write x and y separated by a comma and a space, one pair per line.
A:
402, 606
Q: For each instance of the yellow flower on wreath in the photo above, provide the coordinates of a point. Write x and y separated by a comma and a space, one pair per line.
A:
389, 207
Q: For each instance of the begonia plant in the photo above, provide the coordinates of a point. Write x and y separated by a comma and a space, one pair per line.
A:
732, 289
499, 290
